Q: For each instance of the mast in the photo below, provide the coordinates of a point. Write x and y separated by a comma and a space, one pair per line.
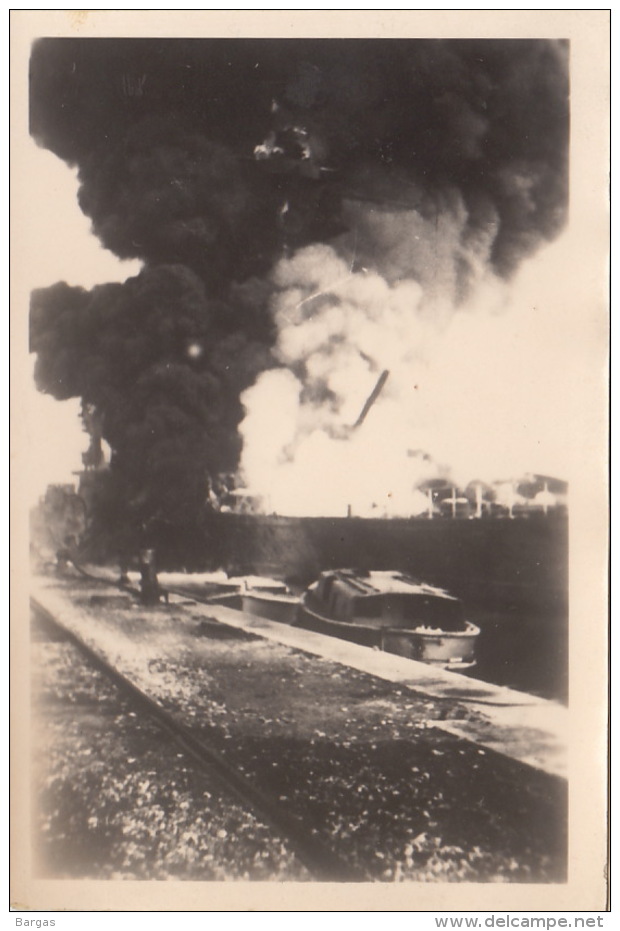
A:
372, 397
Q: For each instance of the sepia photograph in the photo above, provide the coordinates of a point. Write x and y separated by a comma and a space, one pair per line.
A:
310, 415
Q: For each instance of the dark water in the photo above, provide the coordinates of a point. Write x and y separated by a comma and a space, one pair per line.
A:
522, 649
512, 576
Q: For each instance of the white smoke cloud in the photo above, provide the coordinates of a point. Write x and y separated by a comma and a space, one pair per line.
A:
483, 392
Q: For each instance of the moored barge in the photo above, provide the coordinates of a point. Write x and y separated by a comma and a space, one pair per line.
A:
391, 611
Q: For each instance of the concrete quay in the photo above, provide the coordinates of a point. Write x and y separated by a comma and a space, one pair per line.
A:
523, 727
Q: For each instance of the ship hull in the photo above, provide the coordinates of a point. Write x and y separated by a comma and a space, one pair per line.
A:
281, 608
447, 649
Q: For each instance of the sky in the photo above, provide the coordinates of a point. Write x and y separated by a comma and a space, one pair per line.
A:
60, 247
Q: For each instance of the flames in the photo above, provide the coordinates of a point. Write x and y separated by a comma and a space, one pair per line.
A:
477, 393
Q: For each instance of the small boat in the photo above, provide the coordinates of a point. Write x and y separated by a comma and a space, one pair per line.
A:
269, 599
393, 612
250, 592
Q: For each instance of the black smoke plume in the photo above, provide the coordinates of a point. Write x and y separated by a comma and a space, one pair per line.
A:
162, 368
210, 159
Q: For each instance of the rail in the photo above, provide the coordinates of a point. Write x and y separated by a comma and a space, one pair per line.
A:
321, 861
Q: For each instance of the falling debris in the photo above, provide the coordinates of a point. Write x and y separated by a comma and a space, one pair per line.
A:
376, 391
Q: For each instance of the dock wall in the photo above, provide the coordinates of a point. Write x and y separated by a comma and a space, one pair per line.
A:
522, 560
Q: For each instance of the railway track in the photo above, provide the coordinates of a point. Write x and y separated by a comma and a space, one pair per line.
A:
319, 859
345, 773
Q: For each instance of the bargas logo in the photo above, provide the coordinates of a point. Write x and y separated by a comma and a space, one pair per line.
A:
35, 922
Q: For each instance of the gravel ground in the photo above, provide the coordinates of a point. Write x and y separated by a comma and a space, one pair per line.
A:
115, 799
356, 757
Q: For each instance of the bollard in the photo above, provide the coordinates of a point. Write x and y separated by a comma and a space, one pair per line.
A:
62, 560
123, 579
149, 586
